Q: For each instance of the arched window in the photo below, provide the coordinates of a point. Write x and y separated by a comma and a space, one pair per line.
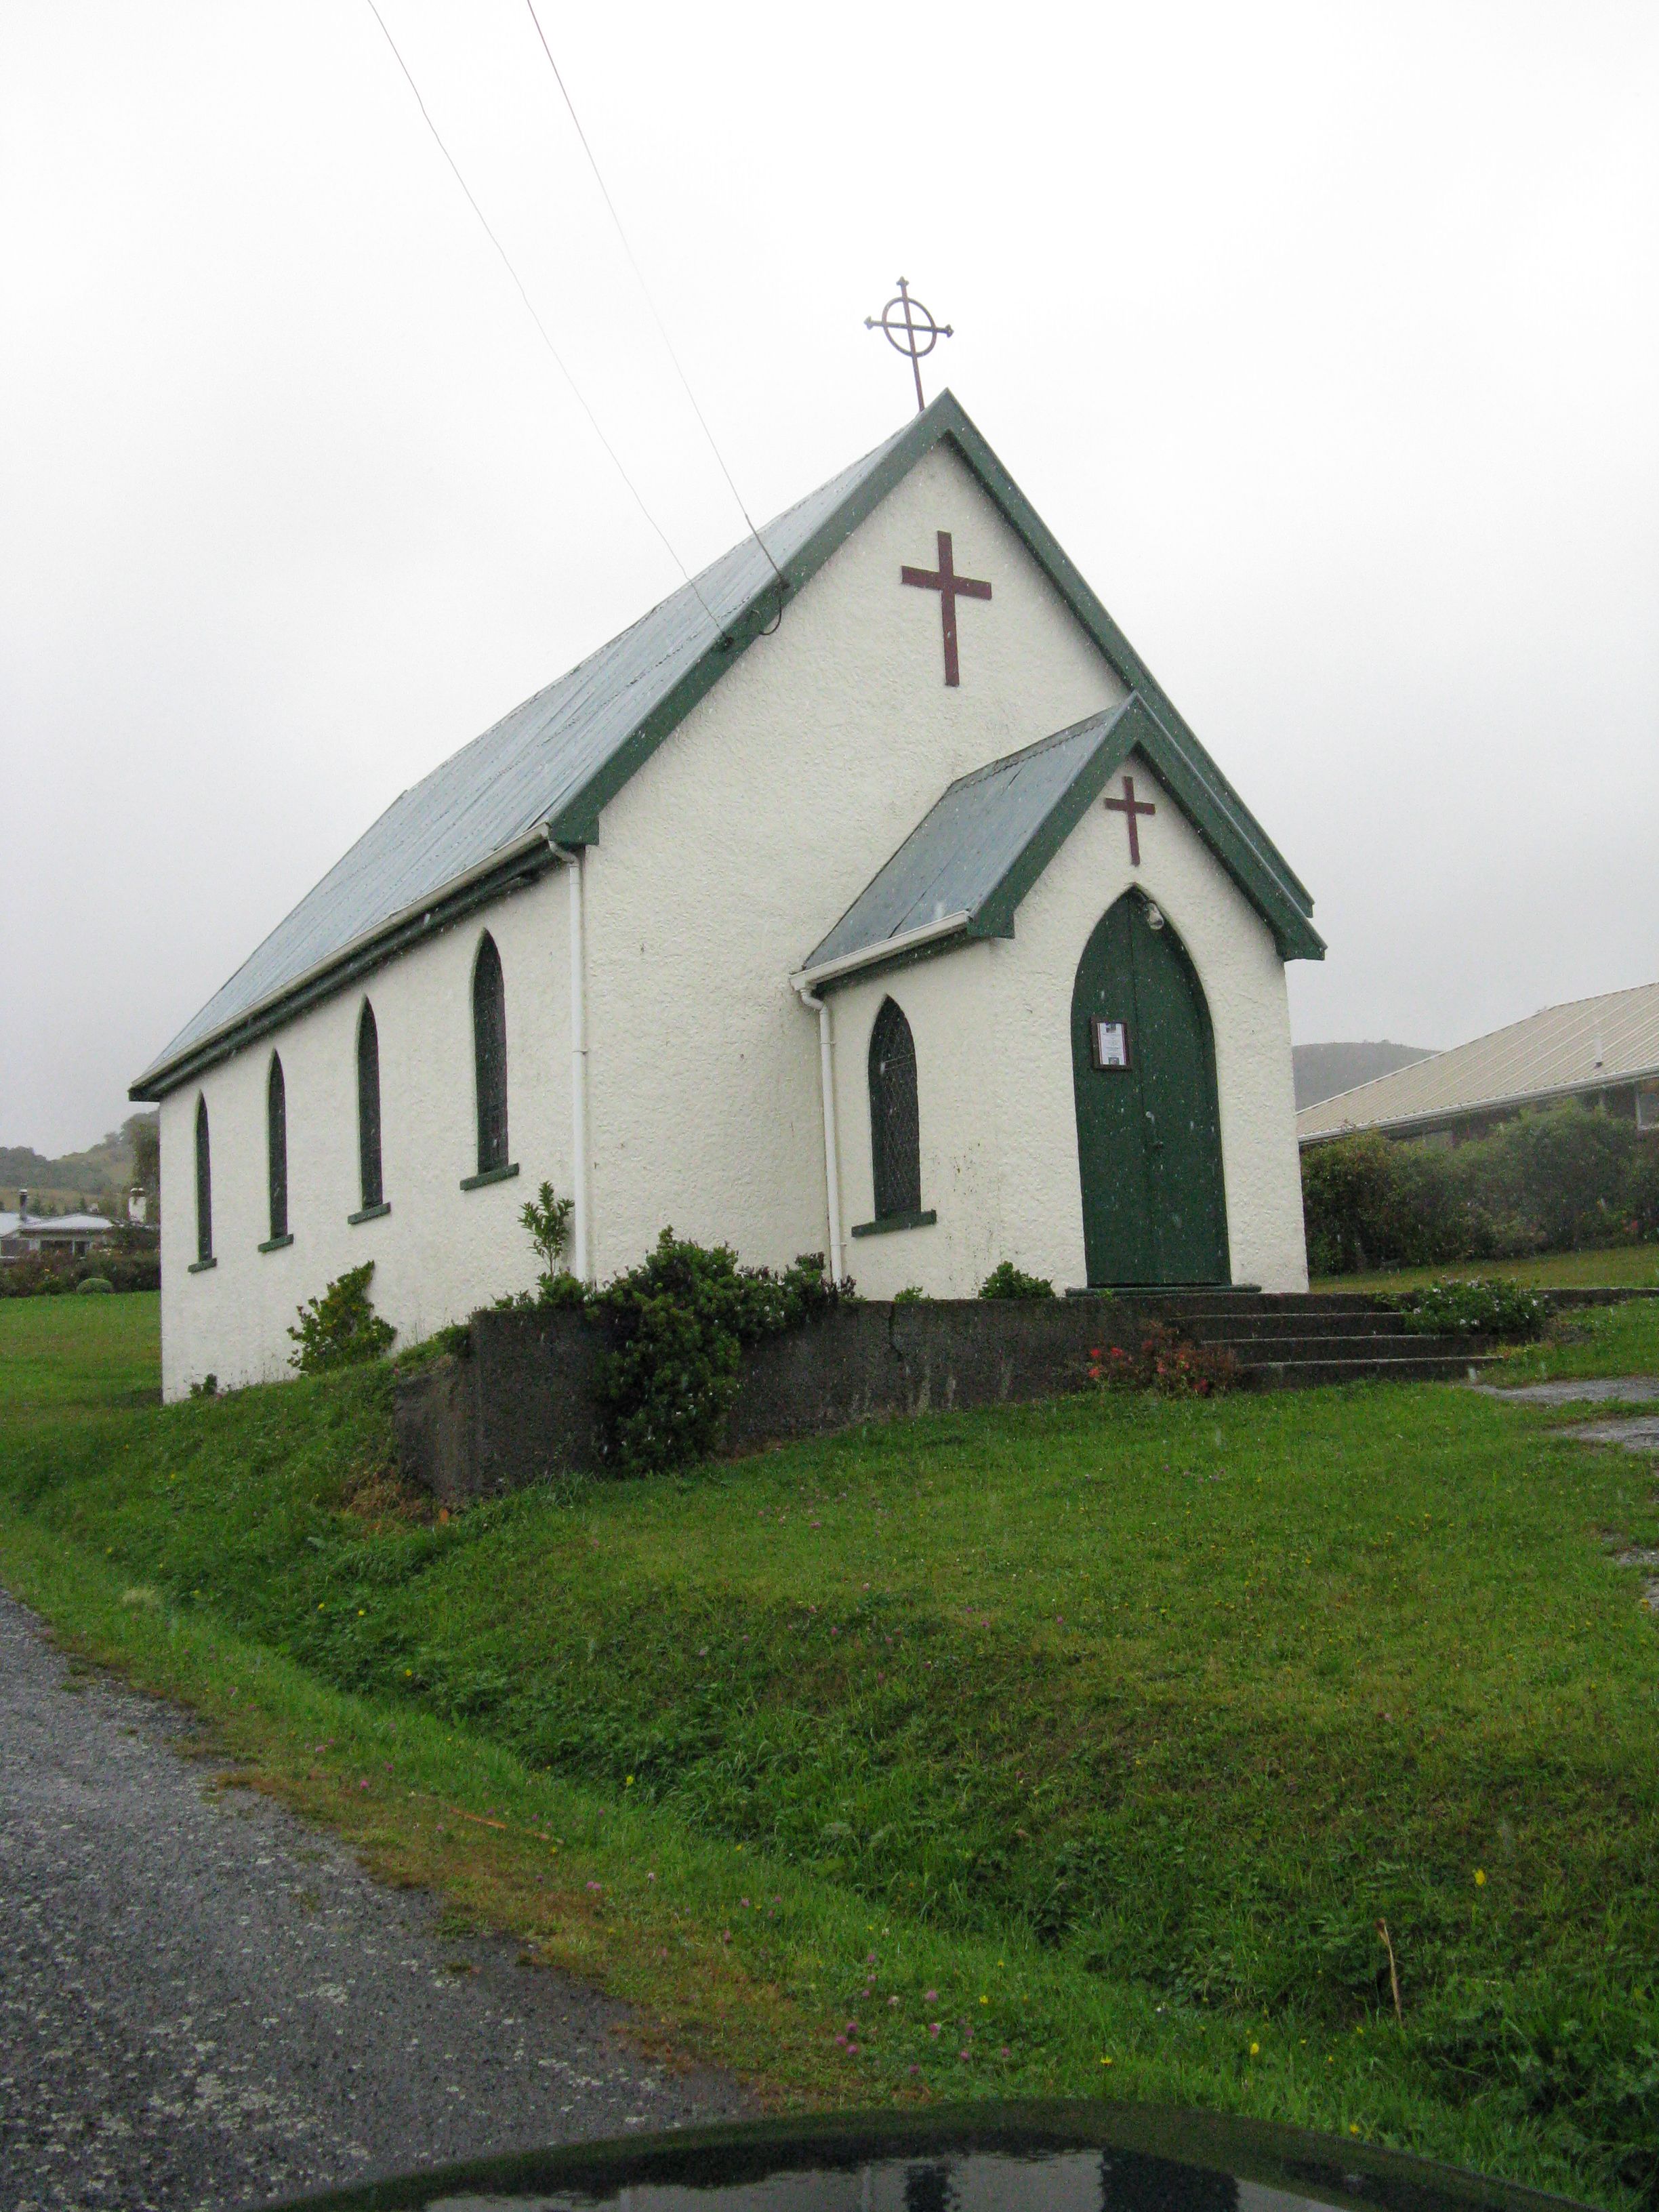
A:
277, 1150
203, 1189
368, 1108
490, 1056
895, 1124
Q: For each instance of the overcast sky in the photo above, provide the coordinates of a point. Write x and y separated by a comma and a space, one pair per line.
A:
1326, 338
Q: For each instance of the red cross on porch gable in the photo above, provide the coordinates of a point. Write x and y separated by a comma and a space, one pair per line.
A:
1130, 805
950, 587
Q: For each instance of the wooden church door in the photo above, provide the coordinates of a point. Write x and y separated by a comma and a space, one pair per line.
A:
1148, 1123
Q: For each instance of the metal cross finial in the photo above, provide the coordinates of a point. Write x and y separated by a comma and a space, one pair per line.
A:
907, 334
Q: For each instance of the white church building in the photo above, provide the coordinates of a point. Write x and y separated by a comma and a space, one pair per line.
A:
867, 897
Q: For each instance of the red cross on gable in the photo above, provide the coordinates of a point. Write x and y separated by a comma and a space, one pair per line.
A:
950, 587
1130, 805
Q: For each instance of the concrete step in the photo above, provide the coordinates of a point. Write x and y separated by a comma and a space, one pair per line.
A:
1251, 1350
1417, 1367
1316, 1321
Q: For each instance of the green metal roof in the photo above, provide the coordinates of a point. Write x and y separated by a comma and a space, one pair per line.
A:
486, 819
968, 862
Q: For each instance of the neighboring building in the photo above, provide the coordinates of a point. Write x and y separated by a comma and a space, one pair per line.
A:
601, 946
1602, 1051
26, 1236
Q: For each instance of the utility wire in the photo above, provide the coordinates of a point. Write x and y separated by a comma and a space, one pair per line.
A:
562, 365
662, 328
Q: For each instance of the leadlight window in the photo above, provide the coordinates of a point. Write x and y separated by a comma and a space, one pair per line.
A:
490, 1056
276, 1149
203, 1186
895, 1122
368, 1108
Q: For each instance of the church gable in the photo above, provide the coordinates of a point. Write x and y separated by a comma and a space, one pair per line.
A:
962, 872
493, 816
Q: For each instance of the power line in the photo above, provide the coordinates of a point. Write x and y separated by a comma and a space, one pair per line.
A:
662, 328
562, 365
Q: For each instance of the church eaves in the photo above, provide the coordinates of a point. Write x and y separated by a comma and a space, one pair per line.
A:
490, 818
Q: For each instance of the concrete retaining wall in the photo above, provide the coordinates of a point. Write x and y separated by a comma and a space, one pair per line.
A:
520, 1408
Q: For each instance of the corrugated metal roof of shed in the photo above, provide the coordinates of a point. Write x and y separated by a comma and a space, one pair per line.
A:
1609, 1039
504, 784
965, 845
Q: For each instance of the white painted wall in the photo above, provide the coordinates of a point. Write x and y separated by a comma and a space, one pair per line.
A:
719, 866
441, 1251
755, 827
992, 1024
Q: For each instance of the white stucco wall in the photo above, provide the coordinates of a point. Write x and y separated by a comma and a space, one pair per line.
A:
992, 1024
441, 1251
754, 828
719, 866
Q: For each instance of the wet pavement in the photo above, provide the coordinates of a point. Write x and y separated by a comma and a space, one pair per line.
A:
204, 2002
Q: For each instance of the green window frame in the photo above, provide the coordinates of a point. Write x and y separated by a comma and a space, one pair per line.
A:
203, 1187
490, 1056
894, 1117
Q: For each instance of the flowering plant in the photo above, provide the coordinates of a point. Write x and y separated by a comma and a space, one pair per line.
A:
1167, 1363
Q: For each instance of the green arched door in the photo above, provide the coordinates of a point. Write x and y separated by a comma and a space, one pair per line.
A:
1148, 1126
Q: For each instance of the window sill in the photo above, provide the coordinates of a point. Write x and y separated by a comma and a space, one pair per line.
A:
368, 1213
489, 1175
278, 1243
201, 1267
889, 1221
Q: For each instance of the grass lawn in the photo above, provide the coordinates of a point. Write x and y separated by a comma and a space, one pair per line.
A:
1622, 1267
1069, 1749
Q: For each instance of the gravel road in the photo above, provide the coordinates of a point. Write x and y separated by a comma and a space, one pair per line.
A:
203, 2002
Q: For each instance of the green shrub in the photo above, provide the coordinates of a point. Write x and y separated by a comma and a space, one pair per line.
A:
1480, 1307
41, 1277
1007, 1281
678, 1325
1167, 1364
1557, 1179
454, 1341
101, 1284
340, 1328
911, 1295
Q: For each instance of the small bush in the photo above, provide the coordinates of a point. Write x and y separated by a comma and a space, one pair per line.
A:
100, 1284
1482, 1307
678, 1325
341, 1328
547, 1217
911, 1295
40, 1277
1007, 1281
1167, 1363
1558, 1179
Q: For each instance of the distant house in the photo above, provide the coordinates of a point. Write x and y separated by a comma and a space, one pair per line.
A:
26, 1236
1603, 1051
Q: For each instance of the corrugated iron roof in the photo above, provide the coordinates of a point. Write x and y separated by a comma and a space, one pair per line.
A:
518, 774
968, 843
549, 768
1560, 1051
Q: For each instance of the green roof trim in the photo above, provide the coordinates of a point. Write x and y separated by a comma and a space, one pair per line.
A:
963, 870
480, 822
1192, 775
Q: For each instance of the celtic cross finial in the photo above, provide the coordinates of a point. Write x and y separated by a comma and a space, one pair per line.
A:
913, 332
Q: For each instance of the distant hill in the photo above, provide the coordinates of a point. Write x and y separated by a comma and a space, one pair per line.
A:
1323, 1070
104, 1171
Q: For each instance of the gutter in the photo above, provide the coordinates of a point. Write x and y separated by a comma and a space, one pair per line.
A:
383, 942
888, 948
